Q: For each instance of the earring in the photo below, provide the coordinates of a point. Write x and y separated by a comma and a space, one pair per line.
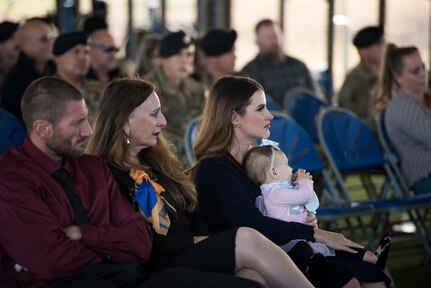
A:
238, 125
128, 140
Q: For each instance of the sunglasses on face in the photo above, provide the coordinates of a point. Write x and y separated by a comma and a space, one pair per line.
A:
47, 37
108, 48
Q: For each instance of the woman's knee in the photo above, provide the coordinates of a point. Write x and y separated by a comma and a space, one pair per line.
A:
246, 235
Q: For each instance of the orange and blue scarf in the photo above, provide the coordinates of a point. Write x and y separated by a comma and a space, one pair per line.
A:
151, 204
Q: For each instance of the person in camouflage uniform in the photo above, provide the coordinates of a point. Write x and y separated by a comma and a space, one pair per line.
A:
72, 57
9, 51
181, 97
218, 56
360, 84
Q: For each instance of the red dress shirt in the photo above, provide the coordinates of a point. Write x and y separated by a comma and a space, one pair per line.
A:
34, 210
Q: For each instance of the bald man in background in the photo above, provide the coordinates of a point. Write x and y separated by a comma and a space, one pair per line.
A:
35, 39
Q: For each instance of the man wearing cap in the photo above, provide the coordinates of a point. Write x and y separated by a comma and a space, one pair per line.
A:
218, 55
35, 38
360, 83
72, 56
181, 97
276, 72
8, 47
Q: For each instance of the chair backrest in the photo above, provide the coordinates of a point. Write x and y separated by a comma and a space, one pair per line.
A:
12, 131
347, 141
295, 143
389, 150
272, 105
303, 105
190, 138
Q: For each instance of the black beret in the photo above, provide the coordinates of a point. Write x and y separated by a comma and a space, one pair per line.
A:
368, 36
6, 30
67, 41
94, 23
173, 42
217, 42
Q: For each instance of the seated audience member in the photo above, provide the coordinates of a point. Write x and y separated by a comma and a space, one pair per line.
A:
218, 55
403, 92
104, 64
276, 72
128, 134
147, 57
234, 116
72, 58
8, 48
290, 197
67, 224
360, 84
182, 97
35, 39
63, 231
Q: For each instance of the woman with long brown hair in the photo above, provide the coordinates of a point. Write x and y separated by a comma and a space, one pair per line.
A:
128, 136
235, 115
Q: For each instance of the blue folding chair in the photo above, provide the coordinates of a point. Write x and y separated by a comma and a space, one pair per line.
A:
295, 143
12, 131
190, 138
272, 105
351, 148
299, 148
303, 105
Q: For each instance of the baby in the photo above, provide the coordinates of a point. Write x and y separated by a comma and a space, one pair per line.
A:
290, 197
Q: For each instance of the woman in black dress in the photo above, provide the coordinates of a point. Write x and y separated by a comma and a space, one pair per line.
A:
235, 115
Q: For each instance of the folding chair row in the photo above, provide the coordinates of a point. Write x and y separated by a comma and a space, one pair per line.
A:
299, 148
352, 148
303, 105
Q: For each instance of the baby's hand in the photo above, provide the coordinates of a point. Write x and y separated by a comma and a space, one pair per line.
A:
302, 174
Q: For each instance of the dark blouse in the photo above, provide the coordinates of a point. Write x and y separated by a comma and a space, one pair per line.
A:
227, 199
184, 225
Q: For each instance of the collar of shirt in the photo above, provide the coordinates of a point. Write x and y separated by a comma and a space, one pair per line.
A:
42, 159
284, 184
